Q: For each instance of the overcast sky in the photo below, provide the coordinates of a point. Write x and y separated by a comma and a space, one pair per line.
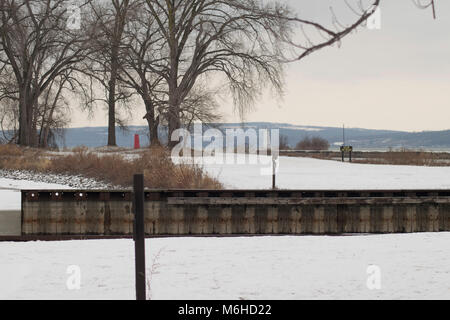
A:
396, 78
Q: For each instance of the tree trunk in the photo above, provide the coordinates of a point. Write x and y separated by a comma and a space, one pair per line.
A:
112, 107
112, 116
173, 116
174, 123
23, 121
34, 126
174, 104
26, 113
152, 122
44, 142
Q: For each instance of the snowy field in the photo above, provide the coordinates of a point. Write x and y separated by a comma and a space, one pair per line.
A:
307, 173
411, 266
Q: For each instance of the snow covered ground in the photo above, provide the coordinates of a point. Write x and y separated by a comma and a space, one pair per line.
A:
11, 182
410, 266
10, 191
307, 173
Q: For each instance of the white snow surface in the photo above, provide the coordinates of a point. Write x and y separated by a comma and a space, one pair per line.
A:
69, 181
308, 173
12, 181
10, 197
412, 266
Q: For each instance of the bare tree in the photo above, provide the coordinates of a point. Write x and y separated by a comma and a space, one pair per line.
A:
142, 50
162, 50
244, 41
9, 100
37, 45
200, 105
147, 52
9, 119
52, 114
104, 65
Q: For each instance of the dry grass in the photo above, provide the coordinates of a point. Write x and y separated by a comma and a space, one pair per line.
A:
14, 157
10, 150
391, 157
155, 163
409, 157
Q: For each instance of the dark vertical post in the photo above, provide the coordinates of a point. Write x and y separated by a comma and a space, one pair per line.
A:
343, 153
139, 236
274, 185
274, 172
350, 156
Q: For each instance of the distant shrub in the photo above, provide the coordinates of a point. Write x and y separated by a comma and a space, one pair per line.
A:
284, 144
314, 143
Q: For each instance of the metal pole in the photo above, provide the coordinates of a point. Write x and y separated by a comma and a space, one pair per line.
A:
139, 236
343, 134
274, 185
273, 173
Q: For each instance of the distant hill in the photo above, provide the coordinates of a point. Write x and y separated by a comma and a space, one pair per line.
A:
358, 138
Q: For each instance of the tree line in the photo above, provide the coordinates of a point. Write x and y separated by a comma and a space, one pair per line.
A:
306, 143
177, 57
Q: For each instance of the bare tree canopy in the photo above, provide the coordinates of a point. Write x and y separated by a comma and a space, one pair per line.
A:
104, 65
177, 55
330, 36
142, 50
244, 41
37, 46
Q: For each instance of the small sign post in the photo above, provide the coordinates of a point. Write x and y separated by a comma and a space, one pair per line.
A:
139, 236
349, 150
344, 148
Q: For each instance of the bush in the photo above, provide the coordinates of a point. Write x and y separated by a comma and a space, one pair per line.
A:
314, 143
284, 143
114, 168
10, 150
